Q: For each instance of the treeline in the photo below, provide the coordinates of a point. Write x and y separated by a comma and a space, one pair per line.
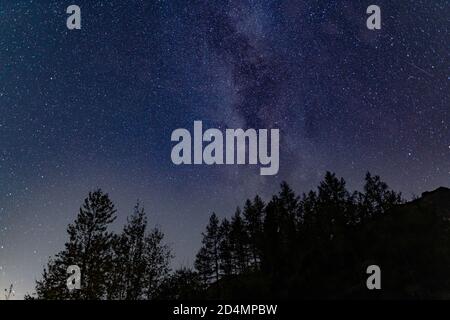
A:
315, 245
319, 245
293, 246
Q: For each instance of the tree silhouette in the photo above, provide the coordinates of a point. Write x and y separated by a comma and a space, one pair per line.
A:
131, 265
377, 198
319, 245
239, 243
227, 267
129, 262
207, 261
89, 247
141, 261
253, 221
157, 257
314, 246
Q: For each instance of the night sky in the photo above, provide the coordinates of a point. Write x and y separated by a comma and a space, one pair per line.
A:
96, 107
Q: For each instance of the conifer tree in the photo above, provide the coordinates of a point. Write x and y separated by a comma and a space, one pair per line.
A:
89, 247
207, 261
253, 219
157, 258
129, 258
377, 198
225, 249
239, 242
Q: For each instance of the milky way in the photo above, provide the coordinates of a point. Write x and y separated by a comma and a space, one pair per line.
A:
95, 108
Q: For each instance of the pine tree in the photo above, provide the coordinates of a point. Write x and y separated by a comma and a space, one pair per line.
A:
271, 254
334, 205
288, 206
203, 266
253, 219
157, 258
281, 221
307, 211
89, 247
377, 198
225, 249
207, 261
129, 258
239, 243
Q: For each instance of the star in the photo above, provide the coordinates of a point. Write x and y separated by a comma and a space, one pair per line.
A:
96, 108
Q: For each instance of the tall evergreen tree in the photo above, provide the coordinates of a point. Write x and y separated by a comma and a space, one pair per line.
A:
280, 249
141, 260
239, 242
334, 205
89, 247
157, 263
129, 259
225, 249
377, 198
253, 219
207, 261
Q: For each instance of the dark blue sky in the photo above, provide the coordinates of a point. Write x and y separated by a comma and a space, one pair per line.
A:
96, 108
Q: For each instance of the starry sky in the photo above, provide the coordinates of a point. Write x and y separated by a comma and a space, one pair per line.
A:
96, 107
